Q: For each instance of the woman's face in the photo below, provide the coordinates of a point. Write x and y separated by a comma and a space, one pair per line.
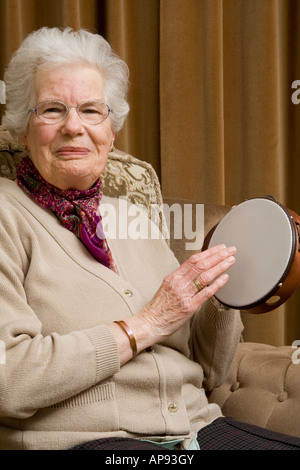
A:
70, 154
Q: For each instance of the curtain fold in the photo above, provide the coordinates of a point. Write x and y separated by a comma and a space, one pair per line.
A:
133, 31
210, 96
192, 105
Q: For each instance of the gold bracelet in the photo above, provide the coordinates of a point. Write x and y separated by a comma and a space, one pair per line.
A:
130, 335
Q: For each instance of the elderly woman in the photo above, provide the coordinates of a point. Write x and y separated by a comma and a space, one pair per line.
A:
84, 361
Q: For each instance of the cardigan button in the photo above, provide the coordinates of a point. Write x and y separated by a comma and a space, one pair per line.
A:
172, 408
128, 292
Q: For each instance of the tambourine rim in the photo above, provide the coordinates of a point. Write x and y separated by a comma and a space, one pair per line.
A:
284, 275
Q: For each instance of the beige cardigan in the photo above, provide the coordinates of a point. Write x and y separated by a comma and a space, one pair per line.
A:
61, 383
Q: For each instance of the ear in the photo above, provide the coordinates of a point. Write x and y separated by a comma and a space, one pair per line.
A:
113, 136
23, 140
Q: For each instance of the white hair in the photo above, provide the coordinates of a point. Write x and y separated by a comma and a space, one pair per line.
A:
57, 48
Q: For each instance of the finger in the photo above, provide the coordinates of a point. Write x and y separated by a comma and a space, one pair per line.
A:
210, 290
208, 276
211, 251
214, 260
198, 284
198, 257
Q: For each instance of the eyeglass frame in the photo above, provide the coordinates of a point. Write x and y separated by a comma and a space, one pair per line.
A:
68, 109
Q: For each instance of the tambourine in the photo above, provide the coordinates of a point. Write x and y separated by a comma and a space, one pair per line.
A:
267, 268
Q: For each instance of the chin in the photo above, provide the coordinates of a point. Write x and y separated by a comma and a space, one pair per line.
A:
79, 180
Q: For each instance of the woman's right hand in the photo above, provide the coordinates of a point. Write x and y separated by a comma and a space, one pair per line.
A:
178, 298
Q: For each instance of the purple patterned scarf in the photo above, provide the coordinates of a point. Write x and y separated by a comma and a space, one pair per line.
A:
76, 210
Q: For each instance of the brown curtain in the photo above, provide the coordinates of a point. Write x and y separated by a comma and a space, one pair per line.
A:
210, 95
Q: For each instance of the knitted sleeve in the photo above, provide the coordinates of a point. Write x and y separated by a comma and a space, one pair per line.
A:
215, 335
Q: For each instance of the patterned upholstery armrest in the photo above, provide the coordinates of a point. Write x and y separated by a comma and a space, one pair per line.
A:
10, 155
124, 176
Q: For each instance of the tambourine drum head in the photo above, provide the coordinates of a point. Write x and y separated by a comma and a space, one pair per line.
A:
263, 235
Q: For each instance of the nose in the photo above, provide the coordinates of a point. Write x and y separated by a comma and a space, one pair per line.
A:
72, 124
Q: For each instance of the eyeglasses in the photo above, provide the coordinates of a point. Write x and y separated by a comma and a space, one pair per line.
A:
53, 112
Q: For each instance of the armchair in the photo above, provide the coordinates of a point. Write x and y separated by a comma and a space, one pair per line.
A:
263, 386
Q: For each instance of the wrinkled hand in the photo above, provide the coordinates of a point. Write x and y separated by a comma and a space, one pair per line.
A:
179, 298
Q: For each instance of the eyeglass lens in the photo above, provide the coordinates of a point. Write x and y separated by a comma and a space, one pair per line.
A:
91, 112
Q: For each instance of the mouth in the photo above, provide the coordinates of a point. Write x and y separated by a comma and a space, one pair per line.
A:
72, 151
